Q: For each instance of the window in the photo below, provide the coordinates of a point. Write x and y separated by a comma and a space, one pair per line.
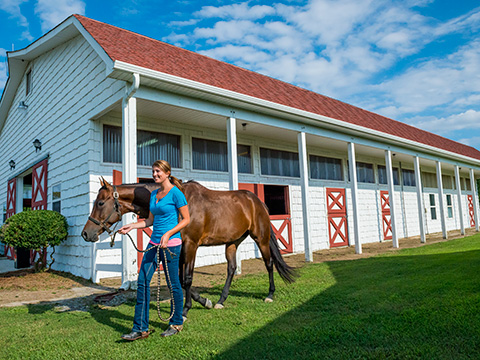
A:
277, 162
29, 82
433, 211
382, 175
365, 173
213, 155
449, 206
151, 146
465, 184
408, 177
57, 198
447, 182
325, 168
429, 180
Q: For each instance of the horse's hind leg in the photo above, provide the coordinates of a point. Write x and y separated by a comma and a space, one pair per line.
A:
190, 252
230, 254
263, 244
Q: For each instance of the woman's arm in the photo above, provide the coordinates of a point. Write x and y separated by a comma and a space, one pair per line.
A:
181, 224
138, 225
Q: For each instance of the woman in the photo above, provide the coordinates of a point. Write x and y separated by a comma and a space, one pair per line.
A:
166, 204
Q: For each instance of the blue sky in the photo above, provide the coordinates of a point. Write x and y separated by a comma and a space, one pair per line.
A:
416, 61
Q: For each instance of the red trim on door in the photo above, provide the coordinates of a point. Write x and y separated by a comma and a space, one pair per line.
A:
386, 215
471, 210
39, 185
39, 197
337, 217
286, 242
11, 205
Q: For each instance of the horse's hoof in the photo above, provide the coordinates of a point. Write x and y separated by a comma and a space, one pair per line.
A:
268, 300
184, 318
208, 304
219, 306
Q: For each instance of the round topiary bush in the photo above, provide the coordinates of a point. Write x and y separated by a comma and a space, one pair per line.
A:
35, 230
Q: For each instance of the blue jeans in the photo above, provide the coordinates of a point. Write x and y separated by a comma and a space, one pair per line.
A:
147, 269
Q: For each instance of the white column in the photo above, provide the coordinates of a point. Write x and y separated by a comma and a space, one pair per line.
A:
233, 169
232, 153
421, 207
459, 197
129, 175
354, 188
391, 196
473, 185
302, 152
440, 199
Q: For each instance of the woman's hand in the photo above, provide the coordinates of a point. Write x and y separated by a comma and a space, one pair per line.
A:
164, 240
125, 229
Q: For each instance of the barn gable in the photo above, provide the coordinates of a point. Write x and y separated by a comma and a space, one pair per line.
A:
68, 87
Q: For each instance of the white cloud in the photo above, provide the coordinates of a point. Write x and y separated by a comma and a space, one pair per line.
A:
469, 119
235, 11
437, 82
12, 7
3, 73
471, 141
53, 12
349, 49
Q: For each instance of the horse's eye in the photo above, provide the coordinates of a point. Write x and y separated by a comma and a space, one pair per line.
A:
101, 203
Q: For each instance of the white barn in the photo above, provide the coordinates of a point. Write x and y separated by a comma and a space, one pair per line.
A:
103, 101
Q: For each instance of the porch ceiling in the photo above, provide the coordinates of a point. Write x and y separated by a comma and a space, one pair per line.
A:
186, 116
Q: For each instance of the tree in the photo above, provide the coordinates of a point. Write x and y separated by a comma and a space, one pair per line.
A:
35, 230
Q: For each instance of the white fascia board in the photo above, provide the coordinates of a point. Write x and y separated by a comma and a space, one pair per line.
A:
331, 123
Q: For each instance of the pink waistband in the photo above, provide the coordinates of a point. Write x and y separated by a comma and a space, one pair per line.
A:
171, 242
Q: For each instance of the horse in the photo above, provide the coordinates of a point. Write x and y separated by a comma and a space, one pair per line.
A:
216, 218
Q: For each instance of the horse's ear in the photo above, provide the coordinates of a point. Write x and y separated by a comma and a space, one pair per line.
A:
106, 184
102, 181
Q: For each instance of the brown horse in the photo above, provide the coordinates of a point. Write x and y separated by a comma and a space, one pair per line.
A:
216, 218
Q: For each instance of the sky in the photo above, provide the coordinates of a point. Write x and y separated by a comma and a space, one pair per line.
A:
415, 61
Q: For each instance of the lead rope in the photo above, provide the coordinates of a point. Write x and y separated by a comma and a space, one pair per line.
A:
167, 276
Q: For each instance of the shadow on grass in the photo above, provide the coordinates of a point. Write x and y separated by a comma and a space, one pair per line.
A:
424, 306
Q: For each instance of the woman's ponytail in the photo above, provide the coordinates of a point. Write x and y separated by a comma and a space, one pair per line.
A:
176, 182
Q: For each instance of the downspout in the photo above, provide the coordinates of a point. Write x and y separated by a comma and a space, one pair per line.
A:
129, 92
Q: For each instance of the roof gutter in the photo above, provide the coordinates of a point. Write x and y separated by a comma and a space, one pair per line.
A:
308, 117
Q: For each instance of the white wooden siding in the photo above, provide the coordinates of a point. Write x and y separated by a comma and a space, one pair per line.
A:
69, 85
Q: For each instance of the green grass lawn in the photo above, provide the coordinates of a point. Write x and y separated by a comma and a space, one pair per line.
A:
415, 303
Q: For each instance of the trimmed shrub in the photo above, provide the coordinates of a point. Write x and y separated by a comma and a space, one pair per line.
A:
35, 230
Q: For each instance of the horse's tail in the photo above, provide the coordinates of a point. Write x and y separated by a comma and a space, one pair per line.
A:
286, 272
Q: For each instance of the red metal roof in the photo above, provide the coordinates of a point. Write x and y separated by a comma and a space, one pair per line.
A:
135, 49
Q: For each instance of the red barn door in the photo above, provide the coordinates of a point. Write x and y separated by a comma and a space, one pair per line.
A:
39, 185
39, 196
386, 216
11, 204
337, 217
276, 198
471, 210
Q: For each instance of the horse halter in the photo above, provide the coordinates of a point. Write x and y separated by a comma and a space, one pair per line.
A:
116, 209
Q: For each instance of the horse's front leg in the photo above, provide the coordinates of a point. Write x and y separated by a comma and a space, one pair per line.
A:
231, 255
